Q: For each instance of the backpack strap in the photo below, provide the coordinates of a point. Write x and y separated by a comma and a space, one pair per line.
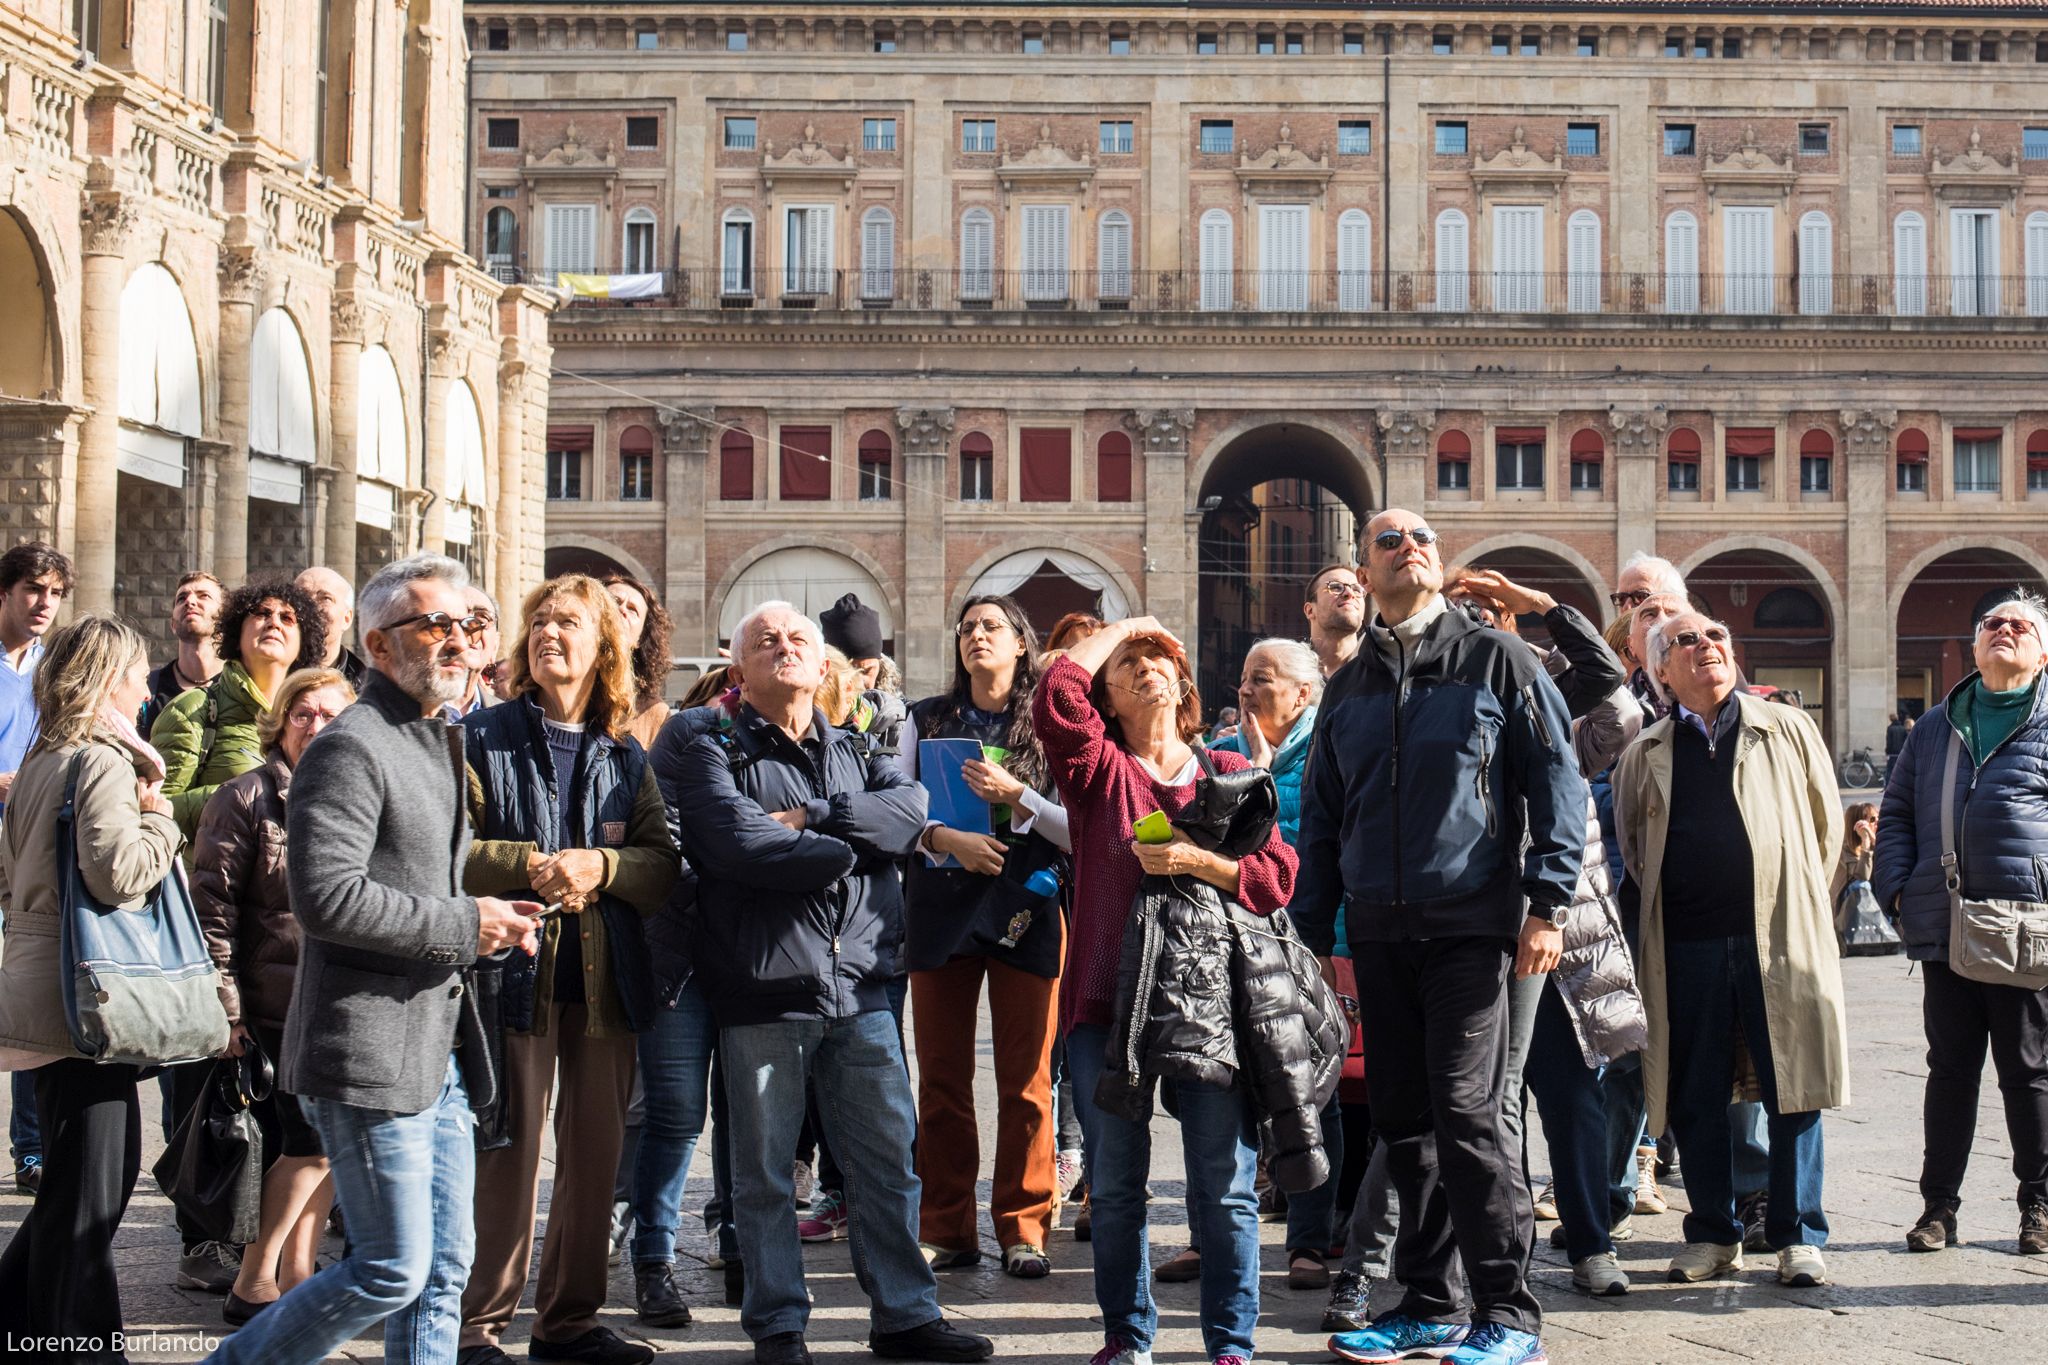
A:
209, 720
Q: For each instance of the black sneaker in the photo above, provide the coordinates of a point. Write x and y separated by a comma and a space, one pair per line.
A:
2034, 1229
936, 1340
1936, 1230
28, 1176
599, 1346
209, 1266
659, 1301
1753, 1212
784, 1348
1350, 1303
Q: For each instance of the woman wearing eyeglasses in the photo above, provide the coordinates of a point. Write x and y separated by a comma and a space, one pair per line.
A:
244, 905
1993, 731
1730, 821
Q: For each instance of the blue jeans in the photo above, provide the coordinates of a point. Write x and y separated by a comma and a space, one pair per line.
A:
1752, 1148
406, 1184
1571, 1097
1312, 1217
1220, 1145
1712, 986
871, 1120
24, 1133
675, 1087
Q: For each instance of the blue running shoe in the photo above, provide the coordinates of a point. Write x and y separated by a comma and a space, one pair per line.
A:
1492, 1344
1395, 1337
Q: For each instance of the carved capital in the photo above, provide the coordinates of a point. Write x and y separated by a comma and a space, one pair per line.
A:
109, 219
241, 275
1868, 431
924, 431
442, 351
1405, 431
1162, 431
684, 432
1638, 433
349, 319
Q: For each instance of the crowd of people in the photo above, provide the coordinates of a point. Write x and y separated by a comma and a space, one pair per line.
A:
481, 878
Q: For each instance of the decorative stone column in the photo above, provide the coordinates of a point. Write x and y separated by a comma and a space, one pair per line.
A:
241, 285
511, 517
1868, 632
1404, 441
1171, 581
686, 456
442, 358
109, 220
203, 511
923, 435
347, 321
1638, 452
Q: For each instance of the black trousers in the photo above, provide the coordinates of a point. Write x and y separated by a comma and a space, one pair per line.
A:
57, 1275
1435, 1015
1963, 1016
183, 1086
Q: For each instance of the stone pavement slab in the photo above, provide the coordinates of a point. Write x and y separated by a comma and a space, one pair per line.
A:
1978, 1303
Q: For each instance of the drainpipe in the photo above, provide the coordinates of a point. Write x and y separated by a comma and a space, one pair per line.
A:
1386, 169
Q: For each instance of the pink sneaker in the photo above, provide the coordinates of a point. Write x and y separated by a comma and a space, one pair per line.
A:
827, 1222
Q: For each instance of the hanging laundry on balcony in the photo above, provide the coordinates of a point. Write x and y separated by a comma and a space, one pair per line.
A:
650, 286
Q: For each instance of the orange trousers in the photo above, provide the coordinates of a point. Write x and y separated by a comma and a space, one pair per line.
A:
1023, 1013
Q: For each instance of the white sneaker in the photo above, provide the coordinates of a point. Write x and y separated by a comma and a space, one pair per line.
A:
1600, 1275
1117, 1351
1704, 1261
1546, 1204
1801, 1266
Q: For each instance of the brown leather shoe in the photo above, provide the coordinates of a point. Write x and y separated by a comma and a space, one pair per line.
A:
2034, 1229
1936, 1229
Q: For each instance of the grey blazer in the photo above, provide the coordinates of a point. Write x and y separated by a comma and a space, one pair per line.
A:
377, 832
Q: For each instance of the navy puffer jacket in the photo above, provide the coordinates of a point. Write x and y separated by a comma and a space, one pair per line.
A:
2002, 839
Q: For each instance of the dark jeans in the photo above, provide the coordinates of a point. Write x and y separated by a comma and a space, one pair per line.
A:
24, 1134
1435, 1014
1962, 1018
1713, 988
1572, 1099
57, 1275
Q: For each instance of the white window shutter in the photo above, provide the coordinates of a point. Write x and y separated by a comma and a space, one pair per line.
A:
2037, 265
1113, 256
1518, 259
1681, 263
1045, 252
1962, 259
1283, 257
1453, 292
1816, 264
1582, 248
1746, 252
878, 254
1354, 261
1216, 262
1909, 265
977, 254
572, 239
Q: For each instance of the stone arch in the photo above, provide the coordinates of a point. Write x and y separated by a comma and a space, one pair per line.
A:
59, 280
1522, 540
1836, 688
1903, 580
619, 554
762, 549
1357, 481
1003, 549
1784, 550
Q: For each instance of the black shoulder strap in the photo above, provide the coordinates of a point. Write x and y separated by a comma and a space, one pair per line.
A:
209, 720
737, 759
1202, 757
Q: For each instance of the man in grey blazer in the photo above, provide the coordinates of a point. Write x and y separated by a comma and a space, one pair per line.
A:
384, 1043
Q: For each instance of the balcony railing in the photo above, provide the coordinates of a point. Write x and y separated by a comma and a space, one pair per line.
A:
878, 142
1335, 294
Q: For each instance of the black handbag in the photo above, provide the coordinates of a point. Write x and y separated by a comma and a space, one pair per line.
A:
1230, 813
212, 1168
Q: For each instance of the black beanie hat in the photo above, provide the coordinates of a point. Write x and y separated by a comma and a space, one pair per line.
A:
852, 629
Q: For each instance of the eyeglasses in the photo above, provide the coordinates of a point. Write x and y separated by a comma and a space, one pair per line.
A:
440, 625
1390, 540
988, 625
284, 616
303, 720
484, 620
1629, 601
1690, 639
2016, 626
1344, 587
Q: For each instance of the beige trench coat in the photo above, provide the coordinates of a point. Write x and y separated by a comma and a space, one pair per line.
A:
1792, 810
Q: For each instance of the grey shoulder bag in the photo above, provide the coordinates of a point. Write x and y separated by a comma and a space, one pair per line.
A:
2001, 943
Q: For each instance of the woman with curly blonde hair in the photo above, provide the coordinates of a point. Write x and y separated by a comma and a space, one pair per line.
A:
566, 812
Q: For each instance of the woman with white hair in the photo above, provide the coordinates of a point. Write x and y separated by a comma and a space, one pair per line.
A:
1973, 779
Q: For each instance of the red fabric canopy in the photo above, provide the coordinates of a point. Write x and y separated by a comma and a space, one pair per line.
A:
2037, 442
1979, 433
569, 438
636, 441
1751, 441
1519, 436
874, 448
1045, 468
1684, 446
1454, 446
1587, 446
976, 443
1113, 467
1912, 446
806, 464
1817, 442
735, 467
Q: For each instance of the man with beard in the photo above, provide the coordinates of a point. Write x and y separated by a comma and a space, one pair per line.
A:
379, 831
1336, 614
195, 615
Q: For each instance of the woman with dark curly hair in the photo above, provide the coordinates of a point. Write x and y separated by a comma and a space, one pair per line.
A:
647, 631
208, 734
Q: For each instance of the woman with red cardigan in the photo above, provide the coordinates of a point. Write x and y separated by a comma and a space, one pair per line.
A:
1116, 717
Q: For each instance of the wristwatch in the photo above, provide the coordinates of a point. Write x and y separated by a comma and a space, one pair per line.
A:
1556, 915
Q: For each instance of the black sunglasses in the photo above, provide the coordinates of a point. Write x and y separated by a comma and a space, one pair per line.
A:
1390, 540
440, 625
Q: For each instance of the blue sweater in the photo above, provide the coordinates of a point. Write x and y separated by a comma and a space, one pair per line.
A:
1289, 762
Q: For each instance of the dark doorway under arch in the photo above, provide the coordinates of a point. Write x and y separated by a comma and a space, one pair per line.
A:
1938, 618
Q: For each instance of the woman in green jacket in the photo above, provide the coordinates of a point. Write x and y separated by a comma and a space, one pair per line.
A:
208, 735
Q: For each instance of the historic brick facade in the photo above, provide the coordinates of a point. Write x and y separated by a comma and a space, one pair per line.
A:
1761, 289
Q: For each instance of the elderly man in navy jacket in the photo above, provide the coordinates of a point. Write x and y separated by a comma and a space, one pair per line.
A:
1443, 803
794, 828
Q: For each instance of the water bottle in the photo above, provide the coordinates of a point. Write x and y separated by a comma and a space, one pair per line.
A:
1042, 886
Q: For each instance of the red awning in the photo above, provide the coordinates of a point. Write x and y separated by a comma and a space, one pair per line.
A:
1587, 446
1817, 442
1912, 446
1455, 447
1684, 446
1979, 433
2037, 443
1751, 441
1519, 436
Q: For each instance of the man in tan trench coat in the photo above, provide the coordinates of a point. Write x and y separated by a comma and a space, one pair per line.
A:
1730, 821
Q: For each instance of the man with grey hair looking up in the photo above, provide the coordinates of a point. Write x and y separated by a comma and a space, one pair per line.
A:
337, 602
794, 828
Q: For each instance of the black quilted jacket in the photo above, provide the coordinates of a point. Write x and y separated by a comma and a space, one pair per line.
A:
1207, 991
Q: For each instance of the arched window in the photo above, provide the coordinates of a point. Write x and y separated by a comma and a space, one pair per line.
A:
1113, 256
1589, 453
636, 464
1217, 259
1790, 609
1912, 460
1817, 462
1682, 461
501, 242
1816, 264
638, 255
977, 256
875, 451
1453, 262
977, 468
2036, 234
735, 467
877, 255
1454, 462
1354, 261
1909, 265
2037, 462
1582, 262
1113, 467
1681, 263
736, 273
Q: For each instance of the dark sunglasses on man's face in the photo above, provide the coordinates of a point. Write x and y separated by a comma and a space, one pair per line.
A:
1629, 601
439, 625
1690, 639
2019, 627
1389, 541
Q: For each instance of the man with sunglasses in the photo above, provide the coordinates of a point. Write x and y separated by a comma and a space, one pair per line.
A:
1336, 615
1443, 806
1730, 821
